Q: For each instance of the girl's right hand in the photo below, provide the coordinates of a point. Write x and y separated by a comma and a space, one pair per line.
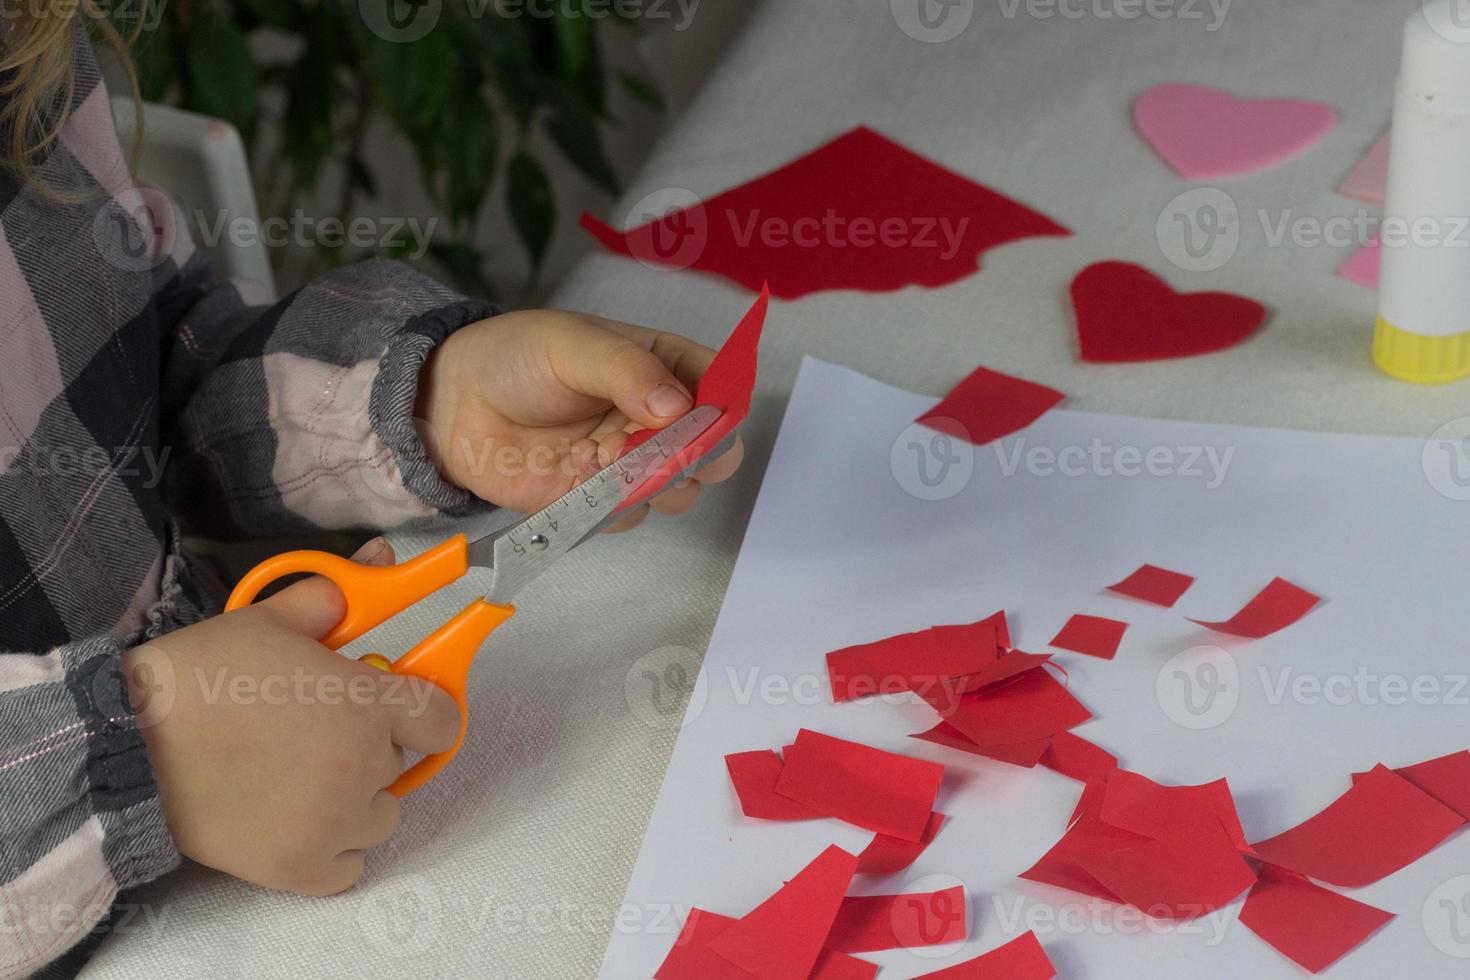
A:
272, 752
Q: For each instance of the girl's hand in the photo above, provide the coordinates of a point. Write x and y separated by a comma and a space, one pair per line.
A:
522, 407
271, 752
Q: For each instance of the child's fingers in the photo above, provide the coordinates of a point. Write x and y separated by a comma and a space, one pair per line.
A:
375, 552
723, 466
677, 500
604, 364
628, 521
382, 818
424, 719
310, 607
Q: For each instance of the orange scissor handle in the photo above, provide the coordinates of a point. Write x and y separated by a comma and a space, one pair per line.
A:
374, 593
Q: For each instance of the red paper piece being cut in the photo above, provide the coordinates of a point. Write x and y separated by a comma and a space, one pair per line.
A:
988, 405
886, 855
1274, 608
870, 923
781, 938
910, 660
1020, 959
1137, 803
861, 212
882, 791
1306, 923
754, 775
1023, 754
1185, 875
692, 959
1031, 706
1126, 313
727, 384
1382, 823
1077, 758
1092, 635
1153, 584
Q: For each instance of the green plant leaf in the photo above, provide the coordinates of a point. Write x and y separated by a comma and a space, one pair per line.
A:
311, 101
465, 265
530, 204
573, 36
642, 90
155, 56
470, 145
275, 13
577, 136
411, 82
221, 72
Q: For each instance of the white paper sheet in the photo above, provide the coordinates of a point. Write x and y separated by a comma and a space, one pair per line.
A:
839, 551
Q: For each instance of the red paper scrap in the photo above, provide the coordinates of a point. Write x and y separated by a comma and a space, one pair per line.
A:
869, 923
1024, 754
1002, 628
781, 938
1446, 778
1153, 584
1276, 607
987, 405
1087, 836
1187, 874
1137, 803
1020, 959
691, 958
1382, 823
754, 775
1031, 706
911, 660
1005, 666
1308, 924
727, 384
861, 212
1126, 313
1076, 757
1091, 797
1092, 635
885, 792
886, 855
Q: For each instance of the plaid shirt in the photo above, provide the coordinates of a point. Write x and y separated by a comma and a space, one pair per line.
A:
136, 389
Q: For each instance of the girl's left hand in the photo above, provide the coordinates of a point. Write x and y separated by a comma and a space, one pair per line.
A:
522, 407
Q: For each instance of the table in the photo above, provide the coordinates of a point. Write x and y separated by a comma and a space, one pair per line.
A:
513, 863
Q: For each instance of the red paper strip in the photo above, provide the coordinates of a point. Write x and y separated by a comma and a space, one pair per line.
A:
861, 212
1382, 823
885, 792
1020, 959
727, 384
1153, 584
869, 923
1006, 666
911, 660
781, 938
886, 855
1126, 313
1137, 803
1087, 836
1076, 757
691, 958
1308, 924
1033, 705
1023, 754
1447, 779
988, 405
1185, 875
1276, 607
1092, 635
754, 775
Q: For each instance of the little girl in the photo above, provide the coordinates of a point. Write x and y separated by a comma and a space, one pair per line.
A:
137, 394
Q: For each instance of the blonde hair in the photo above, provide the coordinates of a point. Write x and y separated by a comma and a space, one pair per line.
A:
38, 75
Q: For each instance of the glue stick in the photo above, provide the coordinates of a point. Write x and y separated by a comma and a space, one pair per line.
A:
1423, 330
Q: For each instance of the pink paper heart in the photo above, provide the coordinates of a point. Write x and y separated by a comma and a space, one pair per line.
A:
1203, 132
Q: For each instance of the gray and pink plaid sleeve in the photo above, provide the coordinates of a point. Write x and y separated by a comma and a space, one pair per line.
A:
138, 392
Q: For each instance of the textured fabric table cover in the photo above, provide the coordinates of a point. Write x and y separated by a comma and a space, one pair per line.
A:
514, 862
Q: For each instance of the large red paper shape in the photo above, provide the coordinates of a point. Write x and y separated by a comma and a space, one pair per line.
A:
1031, 706
754, 775
886, 855
861, 212
870, 923
885, 792
781, 938
1023, 754
1137, 803
1185, 875
911, 660
1092, 635
1274, 608
1087, 836
1382, 823
988, 405
1125, 313
1020, 959
1153, 584
1306, 923
1075, 757
1447, 779
692, 959
727, 384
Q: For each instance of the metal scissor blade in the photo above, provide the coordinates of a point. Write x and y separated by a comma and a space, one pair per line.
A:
519, 553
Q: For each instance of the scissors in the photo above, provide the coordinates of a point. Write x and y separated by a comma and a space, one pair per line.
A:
511, 557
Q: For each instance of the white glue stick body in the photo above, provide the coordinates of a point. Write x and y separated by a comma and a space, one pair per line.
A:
1423, 329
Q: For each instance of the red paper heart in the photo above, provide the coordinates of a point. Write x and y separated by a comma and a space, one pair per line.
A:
1126, 313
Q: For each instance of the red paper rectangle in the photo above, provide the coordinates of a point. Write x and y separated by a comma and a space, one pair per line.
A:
1185, 875
1076, 757
869, 923
987, 405
1137, 803
1382, 823
754, 775
1092, 635
1023, 754
1033, 705
1275, 607
692, 959
885, 792
911, 660
886, 855
1306, 923
1020, 959
1088, 835
1446, 778
1153, 584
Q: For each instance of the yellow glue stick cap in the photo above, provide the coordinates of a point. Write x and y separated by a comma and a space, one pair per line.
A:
1420, 358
